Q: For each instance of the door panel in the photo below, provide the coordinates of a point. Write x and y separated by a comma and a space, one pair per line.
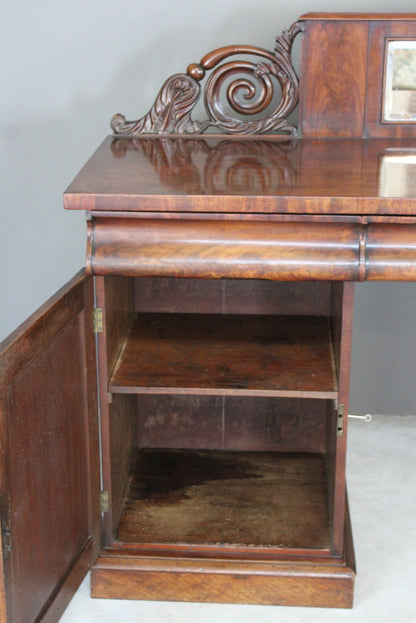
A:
49, 455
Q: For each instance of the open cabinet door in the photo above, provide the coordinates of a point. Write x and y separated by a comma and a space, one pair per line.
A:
49, 470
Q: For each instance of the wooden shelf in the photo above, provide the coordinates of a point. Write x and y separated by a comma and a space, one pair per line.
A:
227, 499
287, 356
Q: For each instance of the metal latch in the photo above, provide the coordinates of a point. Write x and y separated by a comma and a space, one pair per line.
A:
104, 502
97, 320
340, 420
367, 417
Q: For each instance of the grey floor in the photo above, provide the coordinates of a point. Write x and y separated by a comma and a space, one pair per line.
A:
382, 493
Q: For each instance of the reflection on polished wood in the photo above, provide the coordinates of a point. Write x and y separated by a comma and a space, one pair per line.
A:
206, 167
262, 175
398, 174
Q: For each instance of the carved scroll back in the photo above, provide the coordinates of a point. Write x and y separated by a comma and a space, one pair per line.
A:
250, 88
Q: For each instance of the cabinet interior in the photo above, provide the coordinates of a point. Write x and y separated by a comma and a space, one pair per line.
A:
221, 418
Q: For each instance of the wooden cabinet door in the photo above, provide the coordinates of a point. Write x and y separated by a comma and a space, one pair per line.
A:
49, 472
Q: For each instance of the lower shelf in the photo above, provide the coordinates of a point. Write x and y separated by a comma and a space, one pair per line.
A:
227, 499
227, 527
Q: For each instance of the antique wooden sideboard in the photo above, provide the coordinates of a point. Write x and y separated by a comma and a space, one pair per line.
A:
175, 419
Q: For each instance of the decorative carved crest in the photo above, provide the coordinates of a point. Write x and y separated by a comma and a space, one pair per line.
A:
251, 88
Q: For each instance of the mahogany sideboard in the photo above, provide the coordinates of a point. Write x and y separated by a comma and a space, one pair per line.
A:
175, 418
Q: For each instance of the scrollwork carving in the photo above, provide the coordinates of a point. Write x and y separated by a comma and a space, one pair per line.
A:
171, 111
250, 89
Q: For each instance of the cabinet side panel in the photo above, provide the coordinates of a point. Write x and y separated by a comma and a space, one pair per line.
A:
330, 459
47, 486
123, 442
342, 315
333, 79
92, 420
118, 419
118, 314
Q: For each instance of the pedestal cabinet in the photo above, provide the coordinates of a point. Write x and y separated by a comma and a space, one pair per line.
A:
175, 418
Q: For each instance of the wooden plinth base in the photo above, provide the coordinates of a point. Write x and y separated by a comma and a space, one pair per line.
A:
317, 581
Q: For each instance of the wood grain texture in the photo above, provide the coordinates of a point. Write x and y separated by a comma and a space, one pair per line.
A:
321, 16
232, 296
343, 306
118, 424
66, 589
118, 315
92, 432
212, 422
28, 340
228, 499
245, 177
332, 442
283, 251
226, 249
277, 584
379, 33
234, 355
45, 422
319, 582
123, 439
330, 464
270, 424
180, 421
391, 253
333, 70
46, 442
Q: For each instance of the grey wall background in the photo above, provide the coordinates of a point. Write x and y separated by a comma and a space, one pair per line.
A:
66, 68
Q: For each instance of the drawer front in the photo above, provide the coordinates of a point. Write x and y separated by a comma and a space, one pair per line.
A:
276, 250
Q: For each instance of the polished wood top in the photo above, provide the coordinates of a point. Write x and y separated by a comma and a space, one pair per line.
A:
359, 16
250, 175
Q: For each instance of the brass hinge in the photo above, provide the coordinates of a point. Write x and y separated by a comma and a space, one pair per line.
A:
97, 320
104, 502
340, 420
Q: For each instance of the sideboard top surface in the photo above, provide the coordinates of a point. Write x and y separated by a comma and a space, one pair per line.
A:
314, 15
266, 174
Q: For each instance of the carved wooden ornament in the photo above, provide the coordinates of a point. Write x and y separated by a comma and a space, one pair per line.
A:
251, 88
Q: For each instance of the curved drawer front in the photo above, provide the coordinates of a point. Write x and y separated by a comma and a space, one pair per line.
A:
286, 250
391, 253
